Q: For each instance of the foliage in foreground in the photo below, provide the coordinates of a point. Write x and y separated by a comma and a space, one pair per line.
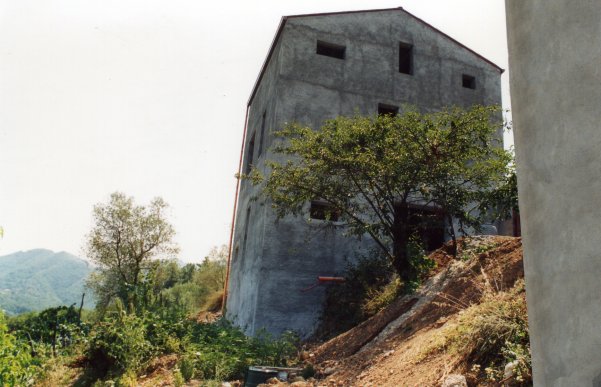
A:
122, 344
373, 171
17, 366
490, 335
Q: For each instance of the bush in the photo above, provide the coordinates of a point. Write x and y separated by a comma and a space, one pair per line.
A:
118, 344
53, 329
17, 367
348, 304
222, 351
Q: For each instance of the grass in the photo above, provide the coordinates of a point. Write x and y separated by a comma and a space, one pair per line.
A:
488, 335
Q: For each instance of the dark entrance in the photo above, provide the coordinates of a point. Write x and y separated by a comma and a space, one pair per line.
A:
428, 224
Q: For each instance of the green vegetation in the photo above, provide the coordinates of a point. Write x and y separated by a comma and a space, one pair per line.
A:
147, 308
123, 242
490, 335
370, 285
17, 366
39, 279
372, 171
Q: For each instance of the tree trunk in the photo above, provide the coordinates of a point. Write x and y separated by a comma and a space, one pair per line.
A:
80, 308
453, 235
400, 233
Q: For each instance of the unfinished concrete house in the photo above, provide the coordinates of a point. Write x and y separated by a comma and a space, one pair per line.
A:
321, 66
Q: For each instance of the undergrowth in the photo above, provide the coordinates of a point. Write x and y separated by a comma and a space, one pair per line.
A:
371, 284
489, 335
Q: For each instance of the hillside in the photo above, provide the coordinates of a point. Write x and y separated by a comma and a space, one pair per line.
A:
456, 323
468, 321
37, 279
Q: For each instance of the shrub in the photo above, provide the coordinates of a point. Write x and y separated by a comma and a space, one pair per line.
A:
222, 351
17, 367
118, 344
347, 304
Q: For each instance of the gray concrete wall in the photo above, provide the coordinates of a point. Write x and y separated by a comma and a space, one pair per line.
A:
286, 256
555, 75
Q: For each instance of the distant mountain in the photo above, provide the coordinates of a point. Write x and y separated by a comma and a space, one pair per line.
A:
38, 279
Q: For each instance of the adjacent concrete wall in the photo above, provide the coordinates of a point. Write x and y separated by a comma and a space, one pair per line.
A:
281, 258
555, 72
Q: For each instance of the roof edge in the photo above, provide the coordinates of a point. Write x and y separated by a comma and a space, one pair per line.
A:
285, 18
500, 69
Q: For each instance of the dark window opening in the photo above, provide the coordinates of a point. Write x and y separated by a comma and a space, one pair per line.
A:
262, 134
330, 49
246, 223
405, 58
387, 110
323, 211
468, 81
428, 224
249, 154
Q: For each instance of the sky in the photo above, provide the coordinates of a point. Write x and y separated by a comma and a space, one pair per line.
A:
148, 98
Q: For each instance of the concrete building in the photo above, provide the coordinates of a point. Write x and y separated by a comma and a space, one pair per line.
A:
554, 56
321, 66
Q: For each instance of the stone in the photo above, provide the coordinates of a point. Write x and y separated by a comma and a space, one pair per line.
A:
509, 369
454, 380
329, 371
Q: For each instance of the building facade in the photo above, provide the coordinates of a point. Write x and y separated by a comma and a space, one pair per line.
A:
321, 66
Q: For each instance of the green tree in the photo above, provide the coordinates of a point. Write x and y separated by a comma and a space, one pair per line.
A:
372, 170
211, 272
123, 242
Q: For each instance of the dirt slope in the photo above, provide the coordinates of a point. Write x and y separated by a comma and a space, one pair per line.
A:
386, 349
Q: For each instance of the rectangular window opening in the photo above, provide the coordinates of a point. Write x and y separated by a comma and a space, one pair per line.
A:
384, 109
405, 58
330, 49
323, 211
428, 224
262, 141
249, 154
468, 81
246, 223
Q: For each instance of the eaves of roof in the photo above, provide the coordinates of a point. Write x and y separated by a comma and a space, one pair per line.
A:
285, 19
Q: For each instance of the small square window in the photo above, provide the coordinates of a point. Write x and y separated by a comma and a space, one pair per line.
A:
468, 81
405, 58
330, 49
384, 109
323, 211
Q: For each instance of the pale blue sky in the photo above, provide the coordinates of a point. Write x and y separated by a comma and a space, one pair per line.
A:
148, 97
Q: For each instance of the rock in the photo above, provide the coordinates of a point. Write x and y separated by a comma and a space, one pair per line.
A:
510, 369
454, 380
273, 381
299, 384
226, 384
329, 371
388, 353
297, 379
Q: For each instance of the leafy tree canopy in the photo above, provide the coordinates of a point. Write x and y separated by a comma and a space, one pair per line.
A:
123, 242
374, 170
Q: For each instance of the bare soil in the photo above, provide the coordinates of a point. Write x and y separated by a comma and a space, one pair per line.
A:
385, 350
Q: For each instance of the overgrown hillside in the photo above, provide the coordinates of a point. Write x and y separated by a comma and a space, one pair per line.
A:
469, 319
38, 279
